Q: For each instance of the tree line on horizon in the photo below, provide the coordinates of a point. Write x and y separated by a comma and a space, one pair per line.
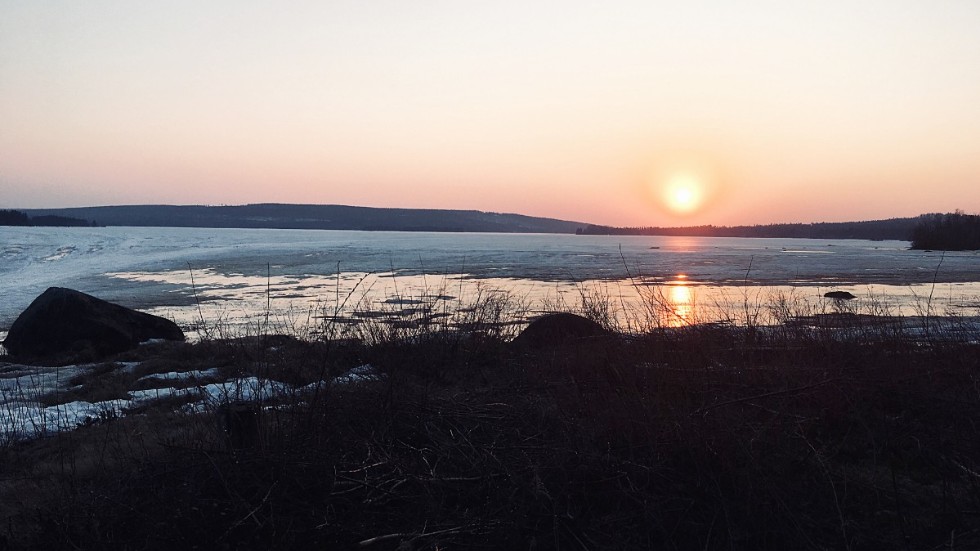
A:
18, 218
954, 231
896, 228
951, 231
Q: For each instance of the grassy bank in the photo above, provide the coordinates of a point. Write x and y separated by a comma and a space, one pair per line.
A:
836, 431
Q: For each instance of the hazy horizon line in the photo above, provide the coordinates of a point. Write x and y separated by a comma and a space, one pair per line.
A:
233, 205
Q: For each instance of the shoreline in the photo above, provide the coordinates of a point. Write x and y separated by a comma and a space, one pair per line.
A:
214, 297
153, 268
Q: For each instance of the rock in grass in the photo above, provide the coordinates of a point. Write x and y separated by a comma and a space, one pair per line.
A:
839, 295
558, 329
64, 321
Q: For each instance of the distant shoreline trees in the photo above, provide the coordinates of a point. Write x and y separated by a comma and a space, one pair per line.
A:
17, 218
14, 218
953, 231
895, 229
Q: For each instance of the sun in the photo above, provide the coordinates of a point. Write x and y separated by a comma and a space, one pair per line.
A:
683, 193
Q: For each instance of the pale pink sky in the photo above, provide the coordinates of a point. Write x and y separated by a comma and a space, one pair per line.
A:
782, 110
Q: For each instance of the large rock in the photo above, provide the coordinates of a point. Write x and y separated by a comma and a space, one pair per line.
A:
63, 321
558, 329
839, 295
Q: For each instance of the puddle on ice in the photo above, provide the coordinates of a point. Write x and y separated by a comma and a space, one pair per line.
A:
240, 302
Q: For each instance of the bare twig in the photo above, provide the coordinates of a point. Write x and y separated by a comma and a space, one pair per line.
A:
413, 535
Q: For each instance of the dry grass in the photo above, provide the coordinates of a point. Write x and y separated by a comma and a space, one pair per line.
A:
830, 432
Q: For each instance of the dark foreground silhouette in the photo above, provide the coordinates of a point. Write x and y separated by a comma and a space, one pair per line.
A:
855, 434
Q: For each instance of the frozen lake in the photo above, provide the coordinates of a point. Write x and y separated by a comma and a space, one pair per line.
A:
235, 275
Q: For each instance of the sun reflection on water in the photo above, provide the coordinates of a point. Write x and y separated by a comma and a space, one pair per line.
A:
681, 298
301, 303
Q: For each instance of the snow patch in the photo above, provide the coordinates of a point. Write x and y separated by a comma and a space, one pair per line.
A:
360, 374
248, 389
181, 375
22, 416
27, 421
21, 382
148, 342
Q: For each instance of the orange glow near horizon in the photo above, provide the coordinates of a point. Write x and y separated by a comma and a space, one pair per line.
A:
624, 114
685, 187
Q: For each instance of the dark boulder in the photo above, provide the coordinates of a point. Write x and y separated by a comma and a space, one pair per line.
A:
558, 329
839, 295
64, 322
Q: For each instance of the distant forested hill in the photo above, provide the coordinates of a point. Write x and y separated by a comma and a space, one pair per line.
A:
341, 217
324, 217
18, 218
894, 228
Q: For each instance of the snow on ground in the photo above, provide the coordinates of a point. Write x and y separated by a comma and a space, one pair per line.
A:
359, 374
20, 382
23, 416
181, 375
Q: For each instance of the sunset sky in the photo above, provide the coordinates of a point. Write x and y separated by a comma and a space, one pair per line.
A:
615, 112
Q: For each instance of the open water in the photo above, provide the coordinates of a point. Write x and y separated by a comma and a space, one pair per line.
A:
238, 275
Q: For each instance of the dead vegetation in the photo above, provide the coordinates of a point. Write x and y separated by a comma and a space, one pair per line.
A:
821, 436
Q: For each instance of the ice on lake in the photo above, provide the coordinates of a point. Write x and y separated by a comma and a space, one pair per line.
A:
236, 276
